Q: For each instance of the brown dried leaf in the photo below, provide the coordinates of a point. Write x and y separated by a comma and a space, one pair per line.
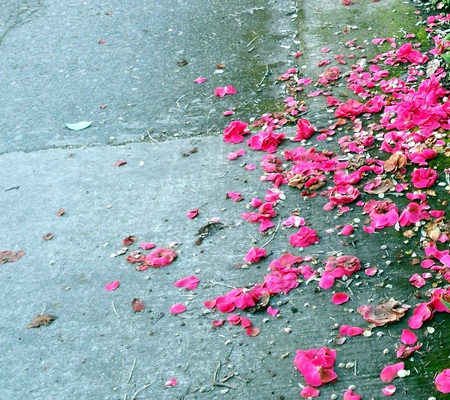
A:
395, 162
41, 319
385, 313
10, 256
182, 62
48, 236
60, 212
383, 187
138, 305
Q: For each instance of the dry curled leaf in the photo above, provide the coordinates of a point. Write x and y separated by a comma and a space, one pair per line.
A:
60, 212
385, 313
138, 305
41, 319
10, 256
395, 162
48, 236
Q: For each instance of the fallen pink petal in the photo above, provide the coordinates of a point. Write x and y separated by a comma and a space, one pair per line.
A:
389, 390
171, 382
192, 214
189, 283
177, 309
309, 392
442, 381
273, 312
254, 255
351, 395
408, 337
160, 257
200, 80
340, 298
112, 285
390, 372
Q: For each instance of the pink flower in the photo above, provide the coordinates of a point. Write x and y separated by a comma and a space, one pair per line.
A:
177, 309
442, 381
350, 109
189, 283
340, 298
390, 372
112, 285
316, 365
234, 132
309, 392
192, 214
266, 141
389, 390
304, 130
222, 91
304, 237
343, 194
423, 177
255, 254
160, 257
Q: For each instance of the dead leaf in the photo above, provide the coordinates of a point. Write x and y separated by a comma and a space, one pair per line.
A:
382, 187
182, 63
385, 313
48, 236
41, 319
60, 212
128, 241
220, 66
10, 256
138, 305
192, 151
395, 162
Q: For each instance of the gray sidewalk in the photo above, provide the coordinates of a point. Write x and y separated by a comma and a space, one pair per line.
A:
98, 347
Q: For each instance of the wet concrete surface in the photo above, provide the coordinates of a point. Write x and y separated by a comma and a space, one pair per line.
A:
98, 348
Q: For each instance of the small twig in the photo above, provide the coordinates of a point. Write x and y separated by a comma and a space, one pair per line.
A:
223, 384
253, 239
179, 98
114, 308
273, 235
266, 74
251, 41
216, 372
140, 390
221, 176
132, 370
223, 284
150, 136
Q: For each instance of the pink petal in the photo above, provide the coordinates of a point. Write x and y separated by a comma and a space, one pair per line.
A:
250, 167
200, 80
246, 323
389, 390
347, 330
218, 322
272, 311
442, 381
347, 230
112, 285
371, 271
408, 337
171, 382
228, 113
390, 372
192, 214
340, 298
147, 245
252, 332
351, 395
309, 391
177, 309
189, 283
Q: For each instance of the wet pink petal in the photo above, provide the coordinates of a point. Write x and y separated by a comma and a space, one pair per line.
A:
408, 337
390, 372
171, 382
234, 319
222, 91
442, 381
371, 271
235, 196
227, 113
246, 323
200, 80
250, 167
272, 311
112, 285
192, 213
177, 309
218, 322
389, 390
309, 392
160, 257
340, 298
189, 283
